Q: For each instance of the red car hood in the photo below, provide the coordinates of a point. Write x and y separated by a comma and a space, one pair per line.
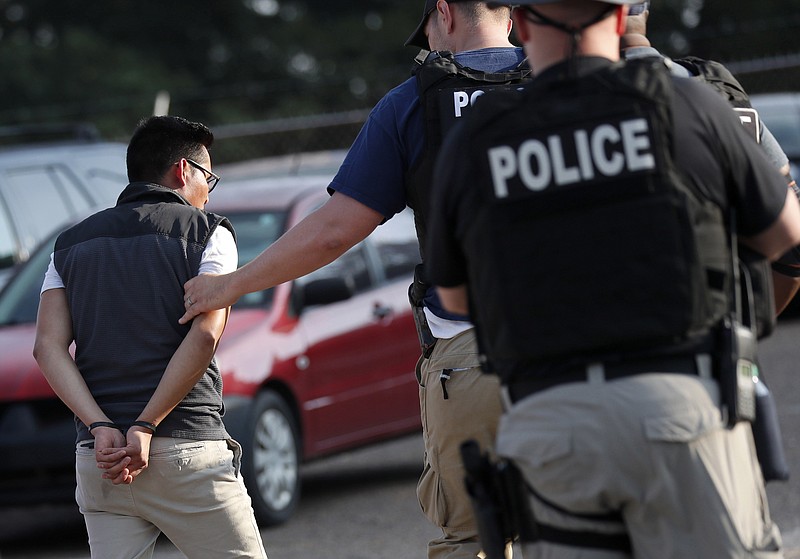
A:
20, 377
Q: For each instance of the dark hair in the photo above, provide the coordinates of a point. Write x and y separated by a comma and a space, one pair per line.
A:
160, 141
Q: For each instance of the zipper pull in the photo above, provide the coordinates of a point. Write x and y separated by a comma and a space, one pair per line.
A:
443, 378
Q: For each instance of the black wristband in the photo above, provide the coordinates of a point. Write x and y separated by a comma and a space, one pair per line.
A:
108, 424
146, 425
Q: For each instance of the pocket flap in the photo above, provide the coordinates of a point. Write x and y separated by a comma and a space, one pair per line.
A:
684, 427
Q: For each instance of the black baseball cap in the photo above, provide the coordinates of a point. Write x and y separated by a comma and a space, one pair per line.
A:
418, 37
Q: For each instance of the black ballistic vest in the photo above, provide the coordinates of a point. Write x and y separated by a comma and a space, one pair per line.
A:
754, 265
720, 78
593, 243
447, 92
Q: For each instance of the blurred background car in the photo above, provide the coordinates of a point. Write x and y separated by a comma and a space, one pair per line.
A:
50, 175
311, 367
781, 113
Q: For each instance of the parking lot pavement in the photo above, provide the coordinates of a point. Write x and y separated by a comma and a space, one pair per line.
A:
357, 504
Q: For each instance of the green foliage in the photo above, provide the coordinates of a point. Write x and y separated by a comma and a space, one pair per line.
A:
232, 61
724, 30
752, 38
105, 61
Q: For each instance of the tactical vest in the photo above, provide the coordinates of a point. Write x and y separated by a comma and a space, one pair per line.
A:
720, 78
447, 92
593, 244
755, 266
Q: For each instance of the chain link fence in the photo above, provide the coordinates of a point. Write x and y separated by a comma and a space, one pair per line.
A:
336, 131
286, 136
772, 74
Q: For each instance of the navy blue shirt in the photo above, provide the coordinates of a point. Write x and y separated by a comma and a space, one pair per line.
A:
391, 142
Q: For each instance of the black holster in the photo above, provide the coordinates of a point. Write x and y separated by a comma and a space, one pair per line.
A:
416, 296
499, 500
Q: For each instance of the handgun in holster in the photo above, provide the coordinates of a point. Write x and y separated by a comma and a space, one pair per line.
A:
503, 513
499, 501
416, 296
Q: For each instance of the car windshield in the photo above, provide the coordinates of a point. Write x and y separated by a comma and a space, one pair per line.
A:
19, 300
254, 232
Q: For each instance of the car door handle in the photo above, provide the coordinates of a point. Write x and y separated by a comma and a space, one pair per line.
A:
381, 311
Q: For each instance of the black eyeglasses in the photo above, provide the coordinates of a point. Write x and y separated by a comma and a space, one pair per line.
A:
211, 179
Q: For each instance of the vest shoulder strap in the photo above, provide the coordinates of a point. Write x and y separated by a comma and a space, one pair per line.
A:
717, 76
441, 65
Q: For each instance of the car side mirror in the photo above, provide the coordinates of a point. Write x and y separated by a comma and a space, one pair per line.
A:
323, 291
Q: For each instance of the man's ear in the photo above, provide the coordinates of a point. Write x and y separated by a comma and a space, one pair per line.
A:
447, 14
175, 177
521, 25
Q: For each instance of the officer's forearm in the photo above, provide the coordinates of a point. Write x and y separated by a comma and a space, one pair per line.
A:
319, 239
454, 299
785, 288
783, 234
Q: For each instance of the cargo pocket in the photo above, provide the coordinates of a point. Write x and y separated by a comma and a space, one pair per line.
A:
431, 498
728, 481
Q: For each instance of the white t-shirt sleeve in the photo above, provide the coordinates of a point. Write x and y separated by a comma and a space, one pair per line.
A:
52, 279
220, 255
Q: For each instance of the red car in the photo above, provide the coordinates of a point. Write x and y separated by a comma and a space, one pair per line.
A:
311, 367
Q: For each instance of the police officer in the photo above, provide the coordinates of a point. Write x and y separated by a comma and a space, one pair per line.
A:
785, 277
387, 168
587, 224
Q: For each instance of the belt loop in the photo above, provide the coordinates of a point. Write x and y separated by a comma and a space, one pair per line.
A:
595, 373
703, 361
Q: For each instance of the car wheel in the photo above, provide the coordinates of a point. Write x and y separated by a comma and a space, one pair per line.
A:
271, 465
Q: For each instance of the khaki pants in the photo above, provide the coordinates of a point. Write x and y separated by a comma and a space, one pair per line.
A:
471, 410
652, 447
191, 491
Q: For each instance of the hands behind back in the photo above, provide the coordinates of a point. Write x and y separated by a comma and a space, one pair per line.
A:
122, 457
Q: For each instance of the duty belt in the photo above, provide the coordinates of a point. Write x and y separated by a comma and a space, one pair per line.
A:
527, 384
